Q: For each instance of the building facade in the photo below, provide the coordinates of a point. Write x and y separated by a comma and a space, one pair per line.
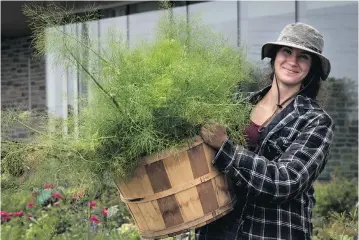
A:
34, 83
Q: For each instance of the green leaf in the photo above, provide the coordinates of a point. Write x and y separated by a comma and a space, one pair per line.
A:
35, 221
112, 211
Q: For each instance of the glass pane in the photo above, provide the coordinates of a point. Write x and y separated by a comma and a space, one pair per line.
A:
55, 78
109, 26
83, 36
261, 22
93, 35
338, 22
179, 11
71, 74
221, 16
142, 25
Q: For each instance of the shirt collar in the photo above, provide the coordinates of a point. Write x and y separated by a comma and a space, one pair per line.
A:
301, 102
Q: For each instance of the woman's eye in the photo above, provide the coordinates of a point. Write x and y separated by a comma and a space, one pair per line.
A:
287, 51
306, 57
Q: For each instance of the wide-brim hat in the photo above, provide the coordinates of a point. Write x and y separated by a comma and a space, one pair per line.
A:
304, 37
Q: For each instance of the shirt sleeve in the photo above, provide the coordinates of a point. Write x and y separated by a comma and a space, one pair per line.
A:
295, 170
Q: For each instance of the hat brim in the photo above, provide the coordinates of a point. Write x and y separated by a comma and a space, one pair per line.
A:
267, 49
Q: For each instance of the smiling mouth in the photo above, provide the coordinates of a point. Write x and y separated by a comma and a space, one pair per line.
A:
290, 71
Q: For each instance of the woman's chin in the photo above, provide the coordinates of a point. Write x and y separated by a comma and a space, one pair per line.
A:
290, 81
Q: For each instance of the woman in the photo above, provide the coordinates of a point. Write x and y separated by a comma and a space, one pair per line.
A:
288, 145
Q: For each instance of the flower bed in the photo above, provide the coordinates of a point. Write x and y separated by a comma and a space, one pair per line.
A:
55, 213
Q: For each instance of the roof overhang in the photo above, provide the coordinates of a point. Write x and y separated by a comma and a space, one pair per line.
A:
15, 24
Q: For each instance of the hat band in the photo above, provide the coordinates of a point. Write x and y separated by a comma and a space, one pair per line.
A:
296, 41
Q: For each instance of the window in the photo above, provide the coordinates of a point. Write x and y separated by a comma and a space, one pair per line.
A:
143, 20
221, 16
262, 22
341, 36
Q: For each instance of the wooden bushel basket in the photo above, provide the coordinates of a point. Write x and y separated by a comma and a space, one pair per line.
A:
174, 192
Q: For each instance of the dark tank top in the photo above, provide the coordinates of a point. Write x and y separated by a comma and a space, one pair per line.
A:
252, 135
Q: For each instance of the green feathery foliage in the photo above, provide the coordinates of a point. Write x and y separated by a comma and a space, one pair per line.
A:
145, 99
45, 157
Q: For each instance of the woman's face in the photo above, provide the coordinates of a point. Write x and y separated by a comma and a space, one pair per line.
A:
292, 65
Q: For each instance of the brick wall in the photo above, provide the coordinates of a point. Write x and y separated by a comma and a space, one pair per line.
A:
342, 106
19, 67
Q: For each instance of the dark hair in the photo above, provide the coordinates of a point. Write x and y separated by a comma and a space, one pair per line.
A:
314, 73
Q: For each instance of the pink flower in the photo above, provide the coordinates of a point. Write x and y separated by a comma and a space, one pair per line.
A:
11, 214
5, 217
92, 204
31, 204
19, 214
47, 185
95, 219
105, 212
57, 204
57, 195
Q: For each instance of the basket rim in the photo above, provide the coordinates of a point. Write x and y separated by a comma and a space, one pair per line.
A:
146, 160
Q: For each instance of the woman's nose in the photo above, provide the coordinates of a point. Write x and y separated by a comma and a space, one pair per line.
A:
292, 58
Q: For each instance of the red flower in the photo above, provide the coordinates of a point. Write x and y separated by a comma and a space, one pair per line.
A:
47, 185
5, 219
57, 204
57, 195
11, 214
92, 204
31, 204
19, 214
95, 219
105, 212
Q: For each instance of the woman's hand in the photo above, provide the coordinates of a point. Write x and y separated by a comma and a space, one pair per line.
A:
214, 135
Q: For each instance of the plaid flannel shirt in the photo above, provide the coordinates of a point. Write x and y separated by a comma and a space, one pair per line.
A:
274, 184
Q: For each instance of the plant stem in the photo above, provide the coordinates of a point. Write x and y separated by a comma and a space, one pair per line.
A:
53, 235
27, 126
89, 224
99, 56
95, 81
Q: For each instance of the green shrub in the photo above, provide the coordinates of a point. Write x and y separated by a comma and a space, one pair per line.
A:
335, 215
338, 226
338, 195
